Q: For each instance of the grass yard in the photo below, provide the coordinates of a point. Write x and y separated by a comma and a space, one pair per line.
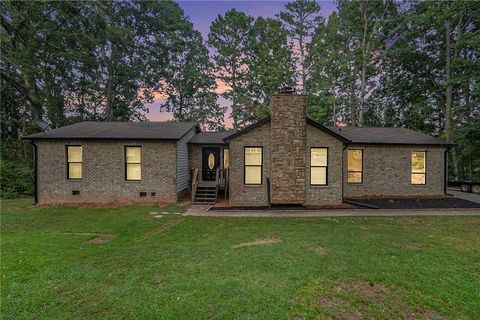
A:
72, 263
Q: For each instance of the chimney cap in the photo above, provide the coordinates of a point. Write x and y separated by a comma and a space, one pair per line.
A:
288, 90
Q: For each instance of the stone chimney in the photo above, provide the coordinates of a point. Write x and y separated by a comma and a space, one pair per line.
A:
288, 143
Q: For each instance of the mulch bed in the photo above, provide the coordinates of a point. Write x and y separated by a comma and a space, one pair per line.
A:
418, 203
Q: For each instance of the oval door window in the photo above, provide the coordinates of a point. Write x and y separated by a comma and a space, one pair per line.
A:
211, 161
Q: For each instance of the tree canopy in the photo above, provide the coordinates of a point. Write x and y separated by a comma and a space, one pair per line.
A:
369, 63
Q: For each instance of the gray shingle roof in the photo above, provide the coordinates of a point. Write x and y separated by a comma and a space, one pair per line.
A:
376, 135
364, 135
119, 130
210, 137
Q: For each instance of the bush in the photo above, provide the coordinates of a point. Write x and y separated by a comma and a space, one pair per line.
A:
16, 174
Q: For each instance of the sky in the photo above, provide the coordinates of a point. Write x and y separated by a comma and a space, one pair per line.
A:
203, 13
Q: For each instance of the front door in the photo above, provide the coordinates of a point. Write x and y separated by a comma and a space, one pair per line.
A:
210, 163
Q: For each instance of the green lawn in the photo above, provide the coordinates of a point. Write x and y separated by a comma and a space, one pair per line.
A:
179, 267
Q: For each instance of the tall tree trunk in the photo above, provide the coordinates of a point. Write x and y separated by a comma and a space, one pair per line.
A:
353, 109
234, 95
32, 97
362, 93
24, 132
449, 94
302, 64
110, 96
180, 115
365, 50
334, 108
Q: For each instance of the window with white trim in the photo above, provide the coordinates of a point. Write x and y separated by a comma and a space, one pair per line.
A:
318, 166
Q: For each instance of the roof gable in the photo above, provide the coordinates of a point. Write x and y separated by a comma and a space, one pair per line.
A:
326, 130
267, 119
247, 129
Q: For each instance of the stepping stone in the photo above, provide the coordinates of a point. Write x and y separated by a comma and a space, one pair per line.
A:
157, 216
154, 212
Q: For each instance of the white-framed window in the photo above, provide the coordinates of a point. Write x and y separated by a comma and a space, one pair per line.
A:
253, 165
319, 166
419, 167
133, 163
355, 166
74, 162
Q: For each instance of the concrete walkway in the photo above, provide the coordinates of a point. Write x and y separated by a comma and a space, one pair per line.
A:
202, 211
465, 195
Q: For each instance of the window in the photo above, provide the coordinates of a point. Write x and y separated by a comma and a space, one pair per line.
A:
253, 165
74, 162
133, 163
418, 167
226, 159
355, 166
318, 166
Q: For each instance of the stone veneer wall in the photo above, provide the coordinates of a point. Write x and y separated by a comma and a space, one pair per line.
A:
288, 142
331, 194
249, 195
104, 173
386, 172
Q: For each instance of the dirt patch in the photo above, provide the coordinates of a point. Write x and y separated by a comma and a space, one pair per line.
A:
160, 230
157, 281
257, 242
103, 238
320, 251
99, 237
415, 245
370, 290
357, 300
422, 314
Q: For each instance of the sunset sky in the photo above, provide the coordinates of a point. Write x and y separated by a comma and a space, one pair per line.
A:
202, 14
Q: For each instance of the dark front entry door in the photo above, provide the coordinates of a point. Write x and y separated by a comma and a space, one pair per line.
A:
210, 163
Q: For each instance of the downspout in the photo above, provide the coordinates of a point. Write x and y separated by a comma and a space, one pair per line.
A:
445, 170
343, 169
35, 171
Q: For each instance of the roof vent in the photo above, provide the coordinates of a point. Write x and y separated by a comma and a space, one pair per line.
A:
288, 90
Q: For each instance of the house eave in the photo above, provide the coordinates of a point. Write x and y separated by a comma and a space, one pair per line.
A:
439, 145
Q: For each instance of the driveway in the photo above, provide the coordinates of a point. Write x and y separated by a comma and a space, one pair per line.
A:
465, 195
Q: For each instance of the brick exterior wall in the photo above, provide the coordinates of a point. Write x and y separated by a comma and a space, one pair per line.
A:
288, 142
242, 195
104, 173
386, 172
331, 194
249, 195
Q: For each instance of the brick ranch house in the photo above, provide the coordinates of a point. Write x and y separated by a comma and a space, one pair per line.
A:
286, 158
